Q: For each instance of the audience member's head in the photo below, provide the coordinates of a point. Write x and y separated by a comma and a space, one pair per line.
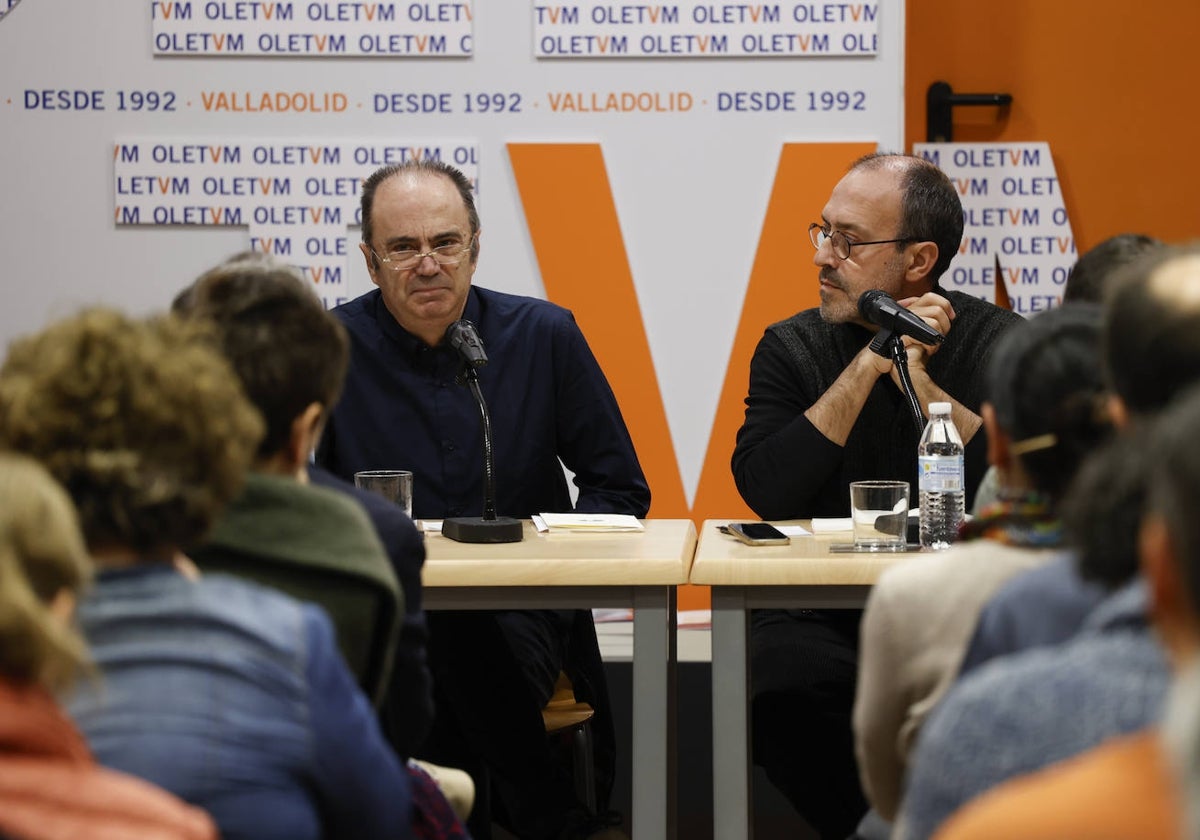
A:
288, 350
1094, 271
1170, 555
43, 568
1102, 511
1151, 342
142, 421
1045, 402
1170, 536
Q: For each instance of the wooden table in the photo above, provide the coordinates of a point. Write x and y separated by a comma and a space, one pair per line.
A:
804, 574
637, 570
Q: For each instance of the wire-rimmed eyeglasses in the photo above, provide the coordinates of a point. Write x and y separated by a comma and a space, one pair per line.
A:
408, 258
840, 243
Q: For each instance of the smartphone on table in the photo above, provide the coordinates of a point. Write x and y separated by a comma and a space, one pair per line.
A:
756, 533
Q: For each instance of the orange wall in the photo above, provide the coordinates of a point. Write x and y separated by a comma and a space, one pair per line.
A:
1110, 86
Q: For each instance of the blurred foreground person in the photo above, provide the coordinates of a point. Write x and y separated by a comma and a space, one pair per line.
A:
232, 696
50, 786
1145, 785
1044, 412
1031, 709
318, 543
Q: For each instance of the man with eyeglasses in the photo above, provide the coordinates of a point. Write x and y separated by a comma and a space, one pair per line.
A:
549, 402
824, 410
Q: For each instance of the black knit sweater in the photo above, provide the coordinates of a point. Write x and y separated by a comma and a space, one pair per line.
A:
786, 469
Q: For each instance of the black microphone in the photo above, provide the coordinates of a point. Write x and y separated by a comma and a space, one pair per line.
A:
488, 528
880, 308
462, 337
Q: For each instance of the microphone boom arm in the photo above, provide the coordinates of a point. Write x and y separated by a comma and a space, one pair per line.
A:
489, 462
489, 528
888, 343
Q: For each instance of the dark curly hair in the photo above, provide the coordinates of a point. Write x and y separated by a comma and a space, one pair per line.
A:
1044, 380
142, 421
1102, 511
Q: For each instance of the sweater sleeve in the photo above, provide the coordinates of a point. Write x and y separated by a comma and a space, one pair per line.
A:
362, 788
781, 461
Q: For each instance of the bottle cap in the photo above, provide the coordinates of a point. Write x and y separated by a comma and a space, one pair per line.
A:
939, 408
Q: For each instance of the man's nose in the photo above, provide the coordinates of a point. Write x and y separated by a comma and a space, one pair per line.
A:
427, 266
824, 255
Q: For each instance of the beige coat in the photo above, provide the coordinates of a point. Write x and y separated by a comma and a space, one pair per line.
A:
919, 618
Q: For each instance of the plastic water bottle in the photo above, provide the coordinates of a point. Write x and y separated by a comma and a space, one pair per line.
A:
940, 479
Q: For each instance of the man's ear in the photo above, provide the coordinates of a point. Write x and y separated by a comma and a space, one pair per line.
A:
305, 431
476, 246
922, 257
1118, 412
372, 266
1169, 604
62, 605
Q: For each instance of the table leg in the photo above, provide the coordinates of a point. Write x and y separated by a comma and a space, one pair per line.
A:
654, 656
732, 815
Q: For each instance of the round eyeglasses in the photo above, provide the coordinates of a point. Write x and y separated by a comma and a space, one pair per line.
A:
840, 243
409, 258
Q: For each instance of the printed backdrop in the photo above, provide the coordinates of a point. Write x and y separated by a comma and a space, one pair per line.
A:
654, 167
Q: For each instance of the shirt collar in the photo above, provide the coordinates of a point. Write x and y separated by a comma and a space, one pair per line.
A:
408, 342
149, 568
1127, 606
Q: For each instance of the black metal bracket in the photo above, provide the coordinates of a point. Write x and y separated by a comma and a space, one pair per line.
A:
888, 343
940, 100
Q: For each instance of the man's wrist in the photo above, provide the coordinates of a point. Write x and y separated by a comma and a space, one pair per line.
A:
869, 363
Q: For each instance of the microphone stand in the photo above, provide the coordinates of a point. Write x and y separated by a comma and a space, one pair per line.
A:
488, 528
889, 343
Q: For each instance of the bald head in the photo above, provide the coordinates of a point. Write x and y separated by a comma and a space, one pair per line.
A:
413, 169
930, 209
1178, 280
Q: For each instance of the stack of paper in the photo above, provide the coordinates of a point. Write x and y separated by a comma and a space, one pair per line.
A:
589, 523
827, 526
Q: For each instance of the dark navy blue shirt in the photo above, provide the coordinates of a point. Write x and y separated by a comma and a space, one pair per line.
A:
548, 399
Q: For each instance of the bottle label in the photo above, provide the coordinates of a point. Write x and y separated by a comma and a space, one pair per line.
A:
940, 473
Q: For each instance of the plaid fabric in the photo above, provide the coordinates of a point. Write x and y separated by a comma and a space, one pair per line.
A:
433, 818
